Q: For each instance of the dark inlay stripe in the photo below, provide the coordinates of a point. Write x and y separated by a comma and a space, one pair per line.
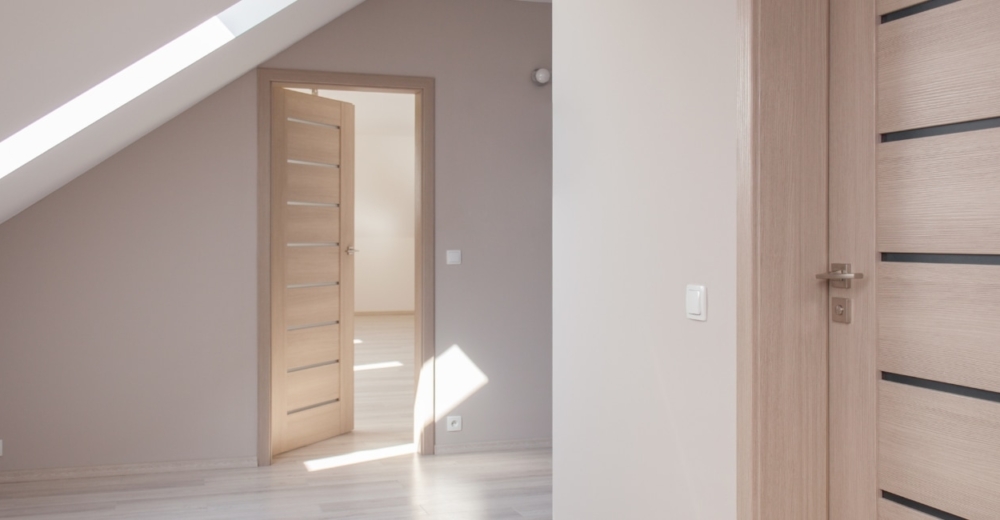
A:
915, 9
917, 506
931, 131
928, 258
938, 386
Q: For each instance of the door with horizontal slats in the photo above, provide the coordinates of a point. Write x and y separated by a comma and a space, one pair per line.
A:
312, 231
915, 204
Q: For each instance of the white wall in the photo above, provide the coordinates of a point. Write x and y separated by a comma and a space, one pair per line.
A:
385, 226
385, 275
644, 203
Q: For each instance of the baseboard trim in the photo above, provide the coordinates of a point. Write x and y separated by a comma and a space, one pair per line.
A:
479, 447
123, 470
384, 313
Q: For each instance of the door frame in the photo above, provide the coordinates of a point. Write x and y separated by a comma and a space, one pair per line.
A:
854, 491
783, 359
423, 88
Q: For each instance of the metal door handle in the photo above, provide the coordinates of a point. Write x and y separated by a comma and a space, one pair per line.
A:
840, 275
351, 250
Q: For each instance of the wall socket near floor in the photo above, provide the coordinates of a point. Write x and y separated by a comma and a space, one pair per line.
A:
454, 423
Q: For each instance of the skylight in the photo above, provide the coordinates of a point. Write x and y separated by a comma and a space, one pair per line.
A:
114, 92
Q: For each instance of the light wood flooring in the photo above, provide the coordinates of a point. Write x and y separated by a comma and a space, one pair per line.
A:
506, 485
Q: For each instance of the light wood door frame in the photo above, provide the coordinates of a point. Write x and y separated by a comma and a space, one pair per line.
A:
782, 323
853, 445
885, 76
423, 89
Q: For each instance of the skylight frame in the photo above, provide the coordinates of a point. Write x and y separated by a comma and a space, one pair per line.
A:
57, 126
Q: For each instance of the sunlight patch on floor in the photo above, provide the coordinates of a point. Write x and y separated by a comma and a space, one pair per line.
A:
360, 457
376, 366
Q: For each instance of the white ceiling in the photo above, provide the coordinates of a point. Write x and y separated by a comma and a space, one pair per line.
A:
53, 50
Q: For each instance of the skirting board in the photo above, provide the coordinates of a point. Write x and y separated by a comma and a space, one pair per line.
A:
384, 313
479, 447
36, 475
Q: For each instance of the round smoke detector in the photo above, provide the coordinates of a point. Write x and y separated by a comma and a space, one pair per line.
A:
541, 76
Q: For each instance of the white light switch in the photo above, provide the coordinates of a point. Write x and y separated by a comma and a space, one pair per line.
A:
697, 302
453, 256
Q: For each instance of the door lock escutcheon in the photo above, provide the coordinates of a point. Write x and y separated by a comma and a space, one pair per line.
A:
840, 309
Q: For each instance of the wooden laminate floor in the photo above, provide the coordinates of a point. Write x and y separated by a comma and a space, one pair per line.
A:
368, 472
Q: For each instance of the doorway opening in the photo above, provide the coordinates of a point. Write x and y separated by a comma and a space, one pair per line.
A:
384, 270
389, 261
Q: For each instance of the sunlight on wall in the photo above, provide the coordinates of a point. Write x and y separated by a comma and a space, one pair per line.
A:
114, 92
457, 379
423, 410
359, 457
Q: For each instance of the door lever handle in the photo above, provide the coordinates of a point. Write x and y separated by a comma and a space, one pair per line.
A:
837, 275
351, 250
840, 275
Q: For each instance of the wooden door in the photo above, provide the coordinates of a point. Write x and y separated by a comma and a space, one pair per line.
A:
312, 269
915, 206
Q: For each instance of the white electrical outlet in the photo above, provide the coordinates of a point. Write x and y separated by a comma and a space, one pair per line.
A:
454, 423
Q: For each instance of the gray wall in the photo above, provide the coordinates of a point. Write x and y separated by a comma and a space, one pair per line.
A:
127, 302
644, 204
127, 298
494, 175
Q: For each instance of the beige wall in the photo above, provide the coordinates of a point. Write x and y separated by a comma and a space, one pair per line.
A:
644, 203
127, 298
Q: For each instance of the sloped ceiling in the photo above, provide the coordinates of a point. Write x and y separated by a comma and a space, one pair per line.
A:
53, 50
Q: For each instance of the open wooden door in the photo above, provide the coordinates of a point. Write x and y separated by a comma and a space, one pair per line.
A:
915, 207
312, 269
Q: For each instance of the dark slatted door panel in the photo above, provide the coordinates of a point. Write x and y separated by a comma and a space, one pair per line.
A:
940, 66
889, 510
312, 367
941, 322
888, 6
941, 194
940, 449
938, 229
